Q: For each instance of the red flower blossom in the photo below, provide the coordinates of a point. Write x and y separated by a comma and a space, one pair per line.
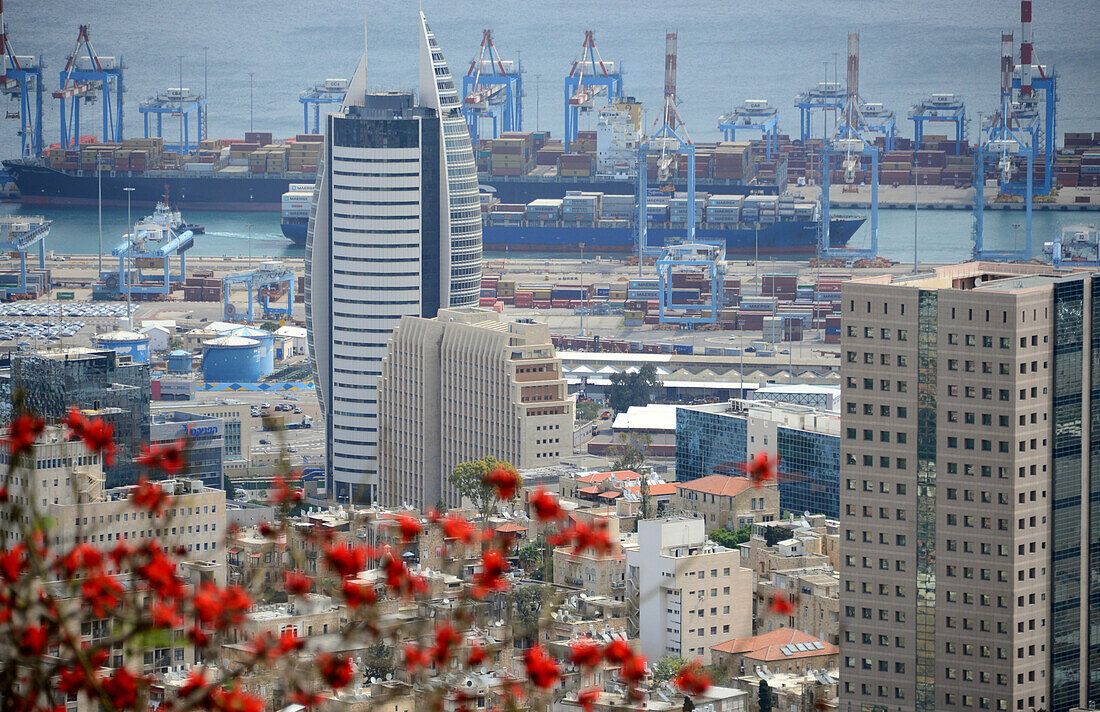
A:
617, 651
289, 642
235, 700
335, 669
220, 607
456, 528
150, 496
97, 434
761, 469
167, 458
309, 700
32, 640
504, 479
102, 592
781, 605
283, 493
446, 640
546, 506
542, 670
13, 562
121, 688
491, 576
584, 537
80, 556
346, 560
585, 653
633, 669
476, 655
399, 579
359, 594
692, 679
588, 698
22, 433
160, 573
408, 526
415, 658
165, 615
296, 583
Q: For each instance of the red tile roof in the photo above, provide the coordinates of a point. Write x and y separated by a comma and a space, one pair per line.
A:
722, 485
611, 495
595, 477
510, 528
768, 647
594, 489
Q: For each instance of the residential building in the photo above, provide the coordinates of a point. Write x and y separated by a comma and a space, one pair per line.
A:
686, 593
718, 438
204, 445
802, 543
815, 595
786, 650
725, 502
599, 574
970, 563
99, 382
811, 690
716, 698
624, 487
394, 230
462, 386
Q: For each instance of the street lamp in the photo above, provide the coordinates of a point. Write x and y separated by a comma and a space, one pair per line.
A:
129, 252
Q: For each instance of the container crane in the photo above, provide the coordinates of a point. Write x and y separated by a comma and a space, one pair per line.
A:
590, 78
492, 89
853, 141
331, 92
1021, 127
22, 81
266, 285
825, 97
940, 108
756, 114
176, 102
91, 78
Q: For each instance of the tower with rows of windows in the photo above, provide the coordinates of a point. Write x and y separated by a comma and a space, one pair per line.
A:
394, 230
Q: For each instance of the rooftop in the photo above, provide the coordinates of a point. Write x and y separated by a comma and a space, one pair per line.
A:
782, 644
721, 485
983, 276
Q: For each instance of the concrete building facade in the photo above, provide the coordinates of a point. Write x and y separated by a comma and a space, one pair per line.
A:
394, 230
462, 386
725, 502
686, 593
970, 554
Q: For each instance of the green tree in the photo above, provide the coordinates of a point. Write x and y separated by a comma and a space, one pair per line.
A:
230, 487
731, 539
587, 410
629, 389
774, 535
378, 662
269, 326
537, 560
667, 668
764, 697
630, 452
469, 479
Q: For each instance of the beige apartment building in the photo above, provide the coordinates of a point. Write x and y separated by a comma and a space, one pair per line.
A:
462, 386
966, 463
685, 593
725, 502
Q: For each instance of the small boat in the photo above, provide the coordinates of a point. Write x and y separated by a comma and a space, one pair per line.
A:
193, 227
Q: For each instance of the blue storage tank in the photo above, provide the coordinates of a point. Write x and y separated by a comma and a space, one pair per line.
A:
128, 343
233, 359
266, 339
179, 361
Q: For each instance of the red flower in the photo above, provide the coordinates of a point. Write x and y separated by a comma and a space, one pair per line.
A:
546, 506
335, 669
504, 479
359, 594
167, 458
584, 537
296, 583
692, 679
408, 526
13, 562
617, 651
165, 615
236, 700
491, 576
121, 688
283, 492
541, 668
309, 700
585, 653
32, 640
781, 605
399, 579
80, 556
633, 669
22, 433
456, 528
160, 572
476, 655
588, 698
150, 496
97, 434
220, 607
289, 642
102, 592
446, 639
415, 658
346, 560
761, 469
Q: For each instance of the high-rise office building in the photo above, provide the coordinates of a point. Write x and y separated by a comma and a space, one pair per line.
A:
463, 386
970, 490
394, 230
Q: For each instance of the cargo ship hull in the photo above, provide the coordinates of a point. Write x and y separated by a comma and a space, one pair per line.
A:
524, 190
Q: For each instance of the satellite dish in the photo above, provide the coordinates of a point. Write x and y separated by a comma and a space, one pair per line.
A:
977, 281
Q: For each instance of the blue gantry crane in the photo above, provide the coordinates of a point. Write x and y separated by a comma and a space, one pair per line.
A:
176, 102
940, 108
90, 77
331, 92
151, 246
266, 285
22, 81
754, 115
590, 78
853, 140
492, 89
1021, 127
19, 233
825, 97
